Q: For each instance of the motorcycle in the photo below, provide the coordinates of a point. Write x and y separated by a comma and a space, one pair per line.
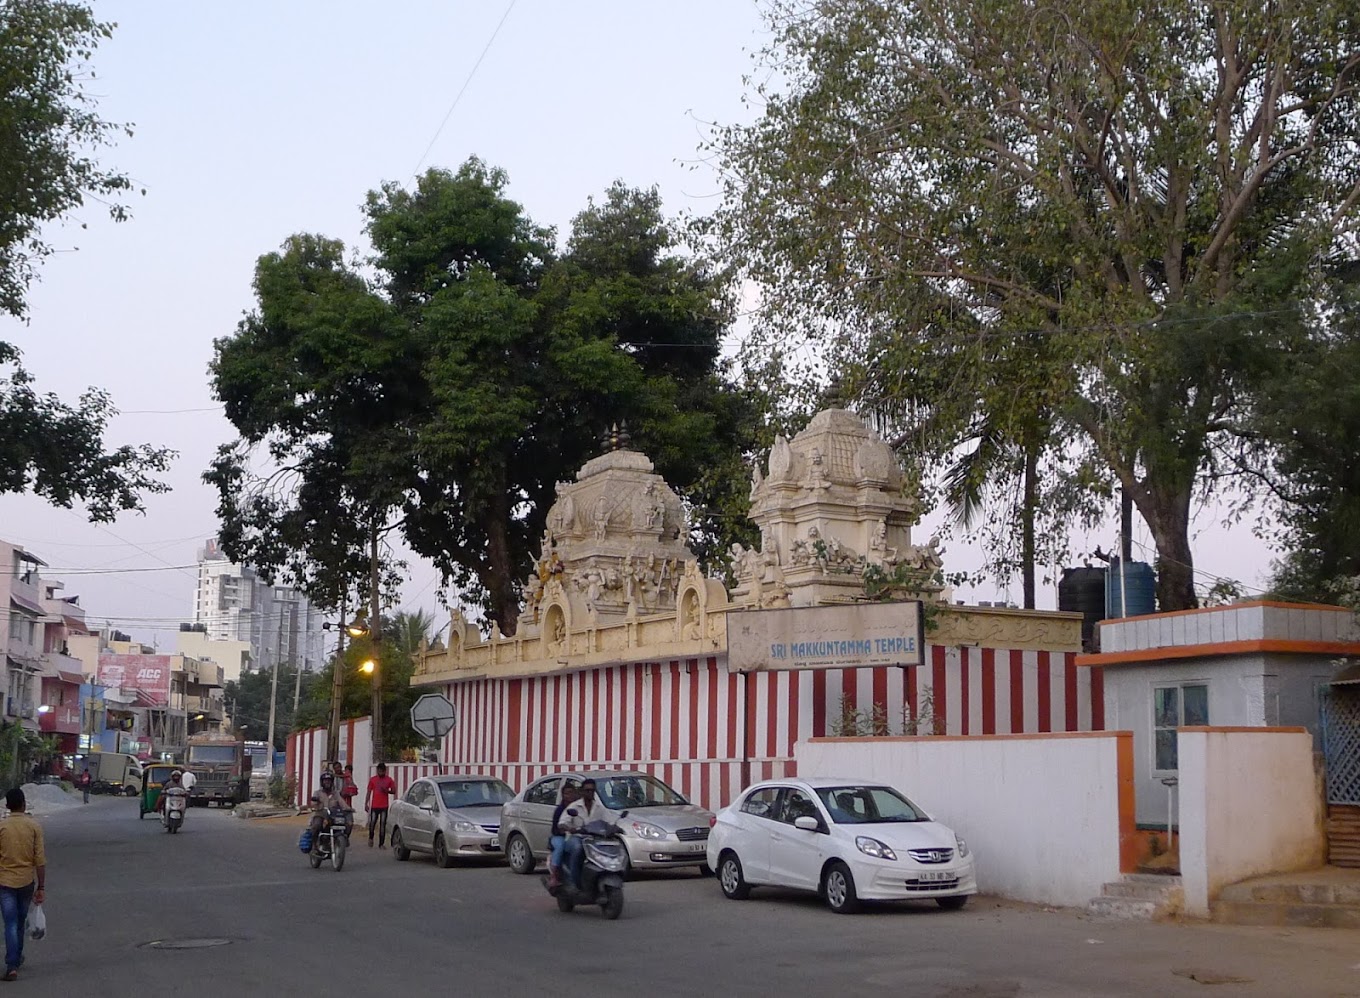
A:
173, 816
331, 842
606, 857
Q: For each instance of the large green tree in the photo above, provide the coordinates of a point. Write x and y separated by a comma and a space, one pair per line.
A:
445, 391
1142, 187
1308, 418
49, 132
248, 700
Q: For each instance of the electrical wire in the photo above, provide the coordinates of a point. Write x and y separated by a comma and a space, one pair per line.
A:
471, 73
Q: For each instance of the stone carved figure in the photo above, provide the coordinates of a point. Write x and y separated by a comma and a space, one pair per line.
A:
879, 551
601, 518
817, 471
757, 480
653, 509
558, 638
781, 460
564, 515
692, 629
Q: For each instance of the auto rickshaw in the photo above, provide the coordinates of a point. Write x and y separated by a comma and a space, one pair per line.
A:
154, 777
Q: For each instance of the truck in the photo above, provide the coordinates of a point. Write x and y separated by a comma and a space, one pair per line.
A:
261, 756
219, 765
113, 773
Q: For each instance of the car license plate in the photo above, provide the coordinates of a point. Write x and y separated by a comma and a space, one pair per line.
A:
495, 842
927, 876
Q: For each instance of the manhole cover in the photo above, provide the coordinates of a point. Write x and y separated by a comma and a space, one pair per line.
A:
185, 943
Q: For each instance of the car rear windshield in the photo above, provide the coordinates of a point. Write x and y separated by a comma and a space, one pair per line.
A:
474, 793
634, 791
868, 805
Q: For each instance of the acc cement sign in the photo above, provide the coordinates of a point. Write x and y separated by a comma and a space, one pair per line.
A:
852, 636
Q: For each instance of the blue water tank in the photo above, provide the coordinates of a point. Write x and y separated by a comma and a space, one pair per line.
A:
1141, 581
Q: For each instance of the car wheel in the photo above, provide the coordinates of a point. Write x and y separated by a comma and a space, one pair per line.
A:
520, 855
399, 850
130, 791
441, 852
838, 885
734, 885
953, 903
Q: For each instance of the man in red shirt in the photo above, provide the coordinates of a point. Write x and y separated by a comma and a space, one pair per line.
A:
381, 789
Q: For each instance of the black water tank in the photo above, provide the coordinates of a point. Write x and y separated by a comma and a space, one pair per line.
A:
1082, 590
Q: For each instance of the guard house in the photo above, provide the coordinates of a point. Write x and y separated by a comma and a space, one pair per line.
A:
620, 655
1253, 664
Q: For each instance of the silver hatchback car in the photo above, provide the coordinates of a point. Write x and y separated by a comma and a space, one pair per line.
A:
662, 828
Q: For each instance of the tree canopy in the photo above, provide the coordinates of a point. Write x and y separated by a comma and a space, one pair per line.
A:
1088, 228
445, 388
49, 131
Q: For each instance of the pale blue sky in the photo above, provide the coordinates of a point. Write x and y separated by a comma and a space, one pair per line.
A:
256, 119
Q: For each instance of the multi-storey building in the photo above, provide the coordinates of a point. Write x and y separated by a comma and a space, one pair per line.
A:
233, 604
22, 632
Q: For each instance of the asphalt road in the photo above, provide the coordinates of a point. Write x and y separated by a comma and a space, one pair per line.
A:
385, 928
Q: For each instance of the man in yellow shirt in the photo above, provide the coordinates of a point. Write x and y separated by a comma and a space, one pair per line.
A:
23, 865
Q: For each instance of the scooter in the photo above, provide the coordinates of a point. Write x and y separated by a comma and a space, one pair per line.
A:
331, 842
601, 874
173, 817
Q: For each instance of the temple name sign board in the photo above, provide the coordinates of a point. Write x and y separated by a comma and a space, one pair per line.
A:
850, 636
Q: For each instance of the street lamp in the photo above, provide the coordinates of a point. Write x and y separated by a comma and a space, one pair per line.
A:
368, 666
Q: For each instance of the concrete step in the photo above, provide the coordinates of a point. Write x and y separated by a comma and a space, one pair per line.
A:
1164, 890
1331, 916
1123, 908
1294, 893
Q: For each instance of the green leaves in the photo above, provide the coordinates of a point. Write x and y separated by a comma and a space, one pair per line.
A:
57, 451
48, 132
449, 391
1037, 221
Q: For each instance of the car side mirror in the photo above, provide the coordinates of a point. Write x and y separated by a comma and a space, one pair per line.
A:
807, 823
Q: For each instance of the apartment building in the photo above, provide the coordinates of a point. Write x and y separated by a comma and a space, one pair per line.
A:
233, 606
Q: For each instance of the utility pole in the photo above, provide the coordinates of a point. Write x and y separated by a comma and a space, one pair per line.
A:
375, 636
273, 704
337, 688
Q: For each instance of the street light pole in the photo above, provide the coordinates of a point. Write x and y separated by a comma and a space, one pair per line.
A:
273, 702
375, 635
337, 688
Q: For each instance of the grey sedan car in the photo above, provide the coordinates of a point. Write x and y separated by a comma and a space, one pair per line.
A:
662, 828
449, 817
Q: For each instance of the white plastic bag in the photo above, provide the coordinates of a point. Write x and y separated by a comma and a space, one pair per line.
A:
37, 922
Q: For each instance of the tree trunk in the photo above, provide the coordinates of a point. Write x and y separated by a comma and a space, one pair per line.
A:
499, 575
1028, 514
1167, 514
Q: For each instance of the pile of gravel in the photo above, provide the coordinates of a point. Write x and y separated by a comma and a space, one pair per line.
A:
45, 798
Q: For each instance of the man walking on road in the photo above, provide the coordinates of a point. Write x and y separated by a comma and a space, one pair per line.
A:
85, 784
22, 862
377, 800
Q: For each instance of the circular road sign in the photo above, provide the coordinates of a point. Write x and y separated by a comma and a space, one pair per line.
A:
432, 715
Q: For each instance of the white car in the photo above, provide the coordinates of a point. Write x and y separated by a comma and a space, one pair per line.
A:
848, 840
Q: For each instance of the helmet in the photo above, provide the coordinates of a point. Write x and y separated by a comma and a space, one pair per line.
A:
327, 778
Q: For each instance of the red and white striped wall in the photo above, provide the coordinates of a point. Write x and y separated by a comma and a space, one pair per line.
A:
306, 753
708, 732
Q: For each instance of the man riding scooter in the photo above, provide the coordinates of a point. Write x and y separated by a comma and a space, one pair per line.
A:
573, 819
174, 788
